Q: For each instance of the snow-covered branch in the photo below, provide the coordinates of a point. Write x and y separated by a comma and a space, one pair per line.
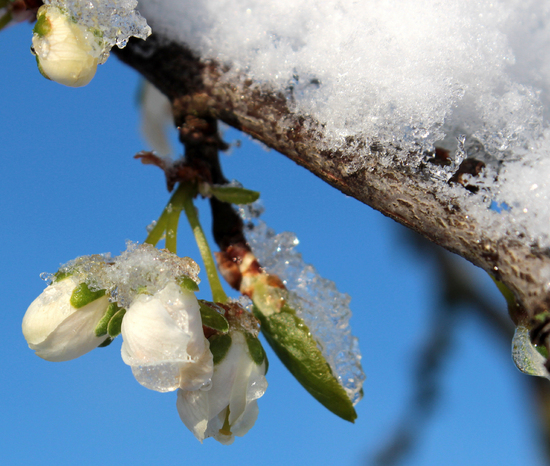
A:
412, 197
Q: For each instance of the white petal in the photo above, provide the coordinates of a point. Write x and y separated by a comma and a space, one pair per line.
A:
56, 330
215, 425
199, 374
193, 408
163, 336
184, 309
238, 402
48, 310
247, 420
236, 384
76, 334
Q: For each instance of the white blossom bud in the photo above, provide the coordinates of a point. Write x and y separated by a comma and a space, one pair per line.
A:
229, 408
60, 324
164, 343
66, 52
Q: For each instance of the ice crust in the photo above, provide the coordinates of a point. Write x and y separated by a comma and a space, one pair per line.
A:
526, 357
115, 20
316, 300
140, 268
406, 73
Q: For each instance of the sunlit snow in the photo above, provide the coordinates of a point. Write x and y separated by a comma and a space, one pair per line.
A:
406, 73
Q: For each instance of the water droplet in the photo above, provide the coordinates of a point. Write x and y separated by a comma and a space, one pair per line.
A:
151, 226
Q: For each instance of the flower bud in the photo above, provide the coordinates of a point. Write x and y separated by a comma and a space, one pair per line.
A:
66, 52
60, 324
229, 408
163, 340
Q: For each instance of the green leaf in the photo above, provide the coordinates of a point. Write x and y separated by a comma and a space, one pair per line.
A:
255, 348
219, 346
212, 318
115, 324
101, 327
293, 343
82, 295
234, 194
187, 284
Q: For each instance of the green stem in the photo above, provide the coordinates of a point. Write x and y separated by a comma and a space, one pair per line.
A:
218, 294
174, 211
156, 234
167, 222
182, 199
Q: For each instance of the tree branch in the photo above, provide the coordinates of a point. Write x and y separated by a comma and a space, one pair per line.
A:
203, 88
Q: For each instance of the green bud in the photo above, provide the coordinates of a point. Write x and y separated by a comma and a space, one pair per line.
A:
82, 295
234, 194
219, 346
212, 318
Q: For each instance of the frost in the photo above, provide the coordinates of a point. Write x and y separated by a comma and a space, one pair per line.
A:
316, 300
115, 21
142, 268
527, 359
405, 74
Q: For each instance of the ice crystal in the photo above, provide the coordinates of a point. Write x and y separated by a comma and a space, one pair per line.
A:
526, 357
141, 268
316, 300
115, 21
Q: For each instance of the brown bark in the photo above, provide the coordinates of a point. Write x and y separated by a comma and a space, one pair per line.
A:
203, 89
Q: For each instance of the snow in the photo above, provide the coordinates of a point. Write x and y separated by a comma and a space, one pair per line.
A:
141, 268
411, 74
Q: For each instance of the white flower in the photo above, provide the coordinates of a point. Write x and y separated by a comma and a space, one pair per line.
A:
59, 325
229, 407
66, 52
164, 343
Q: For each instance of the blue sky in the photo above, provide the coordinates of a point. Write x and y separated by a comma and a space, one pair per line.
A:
70, 187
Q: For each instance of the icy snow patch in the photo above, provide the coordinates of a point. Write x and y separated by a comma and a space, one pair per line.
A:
140, 268
114, 20
315, 299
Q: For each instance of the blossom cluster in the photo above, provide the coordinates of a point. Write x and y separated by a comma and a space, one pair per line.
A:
208, 352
